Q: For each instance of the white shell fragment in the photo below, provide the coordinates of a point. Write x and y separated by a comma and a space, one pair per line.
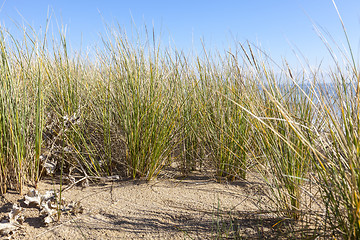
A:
49, 195
46, 202
50, 205
13, 223
14, 215
50, 209
33, 197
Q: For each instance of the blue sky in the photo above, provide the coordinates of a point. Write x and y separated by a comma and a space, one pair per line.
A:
278, 26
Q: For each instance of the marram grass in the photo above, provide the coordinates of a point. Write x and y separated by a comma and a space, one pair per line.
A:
133, 110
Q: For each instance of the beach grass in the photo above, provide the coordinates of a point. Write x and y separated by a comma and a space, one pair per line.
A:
136, 110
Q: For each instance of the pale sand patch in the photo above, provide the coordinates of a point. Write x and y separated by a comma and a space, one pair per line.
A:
190, 208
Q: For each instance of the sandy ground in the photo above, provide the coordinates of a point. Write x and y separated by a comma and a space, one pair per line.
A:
192, 208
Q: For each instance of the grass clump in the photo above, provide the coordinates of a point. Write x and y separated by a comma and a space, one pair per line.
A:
146, 107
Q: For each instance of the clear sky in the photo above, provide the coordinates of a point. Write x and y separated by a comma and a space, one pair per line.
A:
278, 26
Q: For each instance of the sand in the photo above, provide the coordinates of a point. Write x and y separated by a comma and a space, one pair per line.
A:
195, 207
